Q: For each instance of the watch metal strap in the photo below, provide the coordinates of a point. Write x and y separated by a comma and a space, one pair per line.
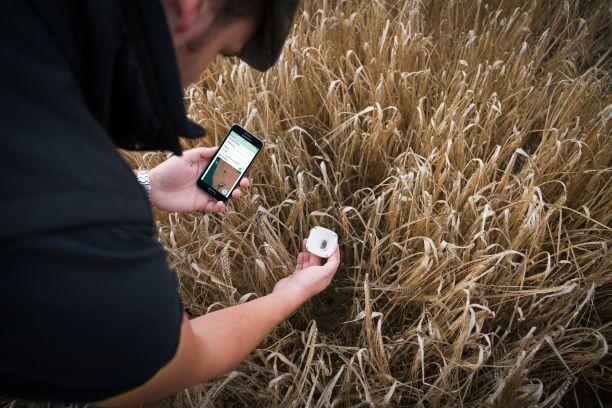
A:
145, 180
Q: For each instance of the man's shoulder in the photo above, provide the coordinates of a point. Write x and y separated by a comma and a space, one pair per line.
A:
60, 167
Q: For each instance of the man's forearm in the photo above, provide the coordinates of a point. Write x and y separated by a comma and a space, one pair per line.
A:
227, 336
213, 344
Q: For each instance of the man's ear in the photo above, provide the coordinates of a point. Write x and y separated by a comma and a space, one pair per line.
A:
187, 13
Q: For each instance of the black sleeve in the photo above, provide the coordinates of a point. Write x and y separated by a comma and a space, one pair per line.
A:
86, 313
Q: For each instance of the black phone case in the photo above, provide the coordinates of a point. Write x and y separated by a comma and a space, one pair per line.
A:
251, 139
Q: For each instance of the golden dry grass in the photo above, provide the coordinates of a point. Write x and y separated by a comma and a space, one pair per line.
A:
462, 152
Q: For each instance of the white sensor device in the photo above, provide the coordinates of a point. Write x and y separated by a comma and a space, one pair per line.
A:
322, 242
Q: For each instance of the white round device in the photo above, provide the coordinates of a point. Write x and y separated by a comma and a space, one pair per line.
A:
322, 242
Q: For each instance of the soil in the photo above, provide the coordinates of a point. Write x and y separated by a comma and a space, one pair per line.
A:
330, 309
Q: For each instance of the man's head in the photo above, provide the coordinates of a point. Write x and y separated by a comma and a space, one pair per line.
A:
202, 29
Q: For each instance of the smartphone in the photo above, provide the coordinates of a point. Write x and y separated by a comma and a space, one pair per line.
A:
227, 167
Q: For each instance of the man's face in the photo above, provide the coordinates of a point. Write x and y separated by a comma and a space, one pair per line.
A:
198, 38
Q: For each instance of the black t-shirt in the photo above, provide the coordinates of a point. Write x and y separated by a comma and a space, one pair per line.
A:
86, 313
88, 307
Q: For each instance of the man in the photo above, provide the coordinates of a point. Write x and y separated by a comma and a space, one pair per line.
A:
88, 308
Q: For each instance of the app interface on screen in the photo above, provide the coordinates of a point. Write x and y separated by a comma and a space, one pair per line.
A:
229, 165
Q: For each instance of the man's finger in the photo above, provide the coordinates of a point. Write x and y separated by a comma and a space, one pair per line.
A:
236, 193
300, 262
245, 182
220, 206
332, 262
210, 206
314, 260
199, 154
306, 258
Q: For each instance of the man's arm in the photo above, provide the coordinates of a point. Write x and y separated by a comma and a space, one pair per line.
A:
213, 344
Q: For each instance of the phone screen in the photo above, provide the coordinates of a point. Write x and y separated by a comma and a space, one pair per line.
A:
229, 164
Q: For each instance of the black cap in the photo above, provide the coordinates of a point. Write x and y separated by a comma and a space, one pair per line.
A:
264, 48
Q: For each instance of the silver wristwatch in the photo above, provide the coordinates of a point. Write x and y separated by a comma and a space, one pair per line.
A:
145, 180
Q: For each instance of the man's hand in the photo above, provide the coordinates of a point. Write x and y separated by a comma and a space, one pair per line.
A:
173, 183
310, 277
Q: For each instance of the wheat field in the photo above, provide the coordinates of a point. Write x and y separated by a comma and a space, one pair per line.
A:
461, 150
